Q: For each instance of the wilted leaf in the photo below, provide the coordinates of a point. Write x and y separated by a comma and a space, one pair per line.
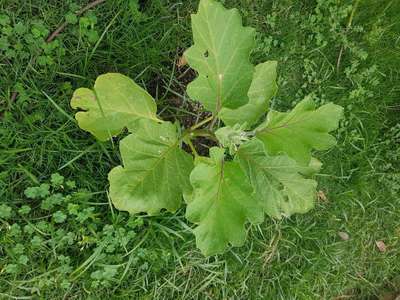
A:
182, 61
343, 235
381, 246
321, 196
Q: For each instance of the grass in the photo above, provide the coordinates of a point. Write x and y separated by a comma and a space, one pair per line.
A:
299, 258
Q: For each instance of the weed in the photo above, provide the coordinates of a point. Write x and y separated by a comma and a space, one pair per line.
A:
299, 258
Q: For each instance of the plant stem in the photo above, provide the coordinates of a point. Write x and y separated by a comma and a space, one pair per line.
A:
213, 121
204, 133
190, 144
205, 121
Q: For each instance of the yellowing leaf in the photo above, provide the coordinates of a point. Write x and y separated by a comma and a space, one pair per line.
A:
381, 246
115, 102
297, 132
344, 235
221, 203
155, 172
220, 55
277, 181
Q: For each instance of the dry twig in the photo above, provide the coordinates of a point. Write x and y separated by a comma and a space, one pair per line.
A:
57, 32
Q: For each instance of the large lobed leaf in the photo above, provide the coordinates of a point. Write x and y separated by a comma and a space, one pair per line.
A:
301, 130
227, 83
115, 102
155, 172
262, 89
278, 181
221, 203
220, 55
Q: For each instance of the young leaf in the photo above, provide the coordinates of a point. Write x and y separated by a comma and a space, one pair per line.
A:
221, 203
115, 102
232, 137
313, 167
277, 181
297, 132
220, 55
155, 172
262, 89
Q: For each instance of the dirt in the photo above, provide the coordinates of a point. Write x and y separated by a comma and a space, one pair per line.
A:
184, 110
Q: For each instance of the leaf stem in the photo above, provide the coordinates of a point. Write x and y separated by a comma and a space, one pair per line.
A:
190, 144
193, 132
204, 133
205, 121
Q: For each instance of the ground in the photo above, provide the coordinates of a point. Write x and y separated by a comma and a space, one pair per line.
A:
64, 240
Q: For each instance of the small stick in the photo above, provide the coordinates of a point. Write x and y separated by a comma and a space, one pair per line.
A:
195, 126
14, 96
347, 29
55, 33
192, 148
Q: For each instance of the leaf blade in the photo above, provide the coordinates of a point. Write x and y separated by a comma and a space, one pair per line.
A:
155, 172
263, 87
115, 102
301, 130
220, 55
221, 203
277, 180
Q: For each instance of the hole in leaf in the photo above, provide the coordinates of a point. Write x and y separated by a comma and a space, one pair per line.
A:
206, 54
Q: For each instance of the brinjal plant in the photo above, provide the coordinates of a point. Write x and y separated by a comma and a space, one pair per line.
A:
262, 164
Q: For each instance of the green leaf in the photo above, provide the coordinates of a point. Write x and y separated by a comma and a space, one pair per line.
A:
71, 18
232, 137
220, 55
115, 102
56, 179
4, 20
221, 203
297, 132
59, 217
313, 167
5, 211
24, 210
277, 180
20, 28
262, 89
155, 172
134, 8
38, 192
23, 259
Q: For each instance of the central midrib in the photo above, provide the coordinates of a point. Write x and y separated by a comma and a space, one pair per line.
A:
154, 166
